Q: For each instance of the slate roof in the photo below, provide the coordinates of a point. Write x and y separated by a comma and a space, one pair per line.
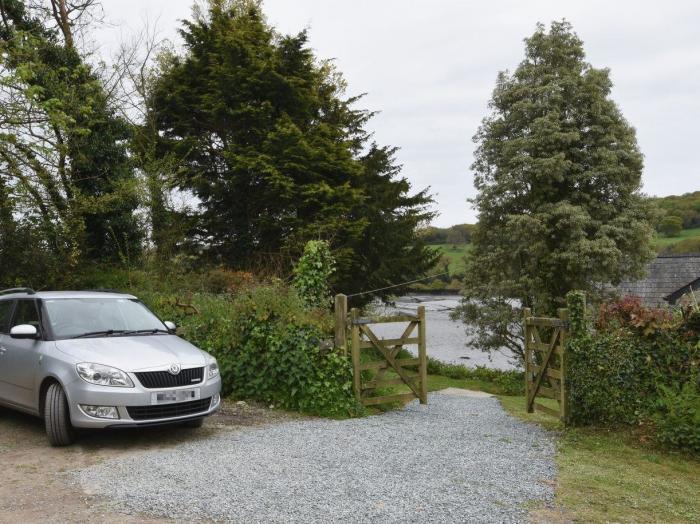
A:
668, 278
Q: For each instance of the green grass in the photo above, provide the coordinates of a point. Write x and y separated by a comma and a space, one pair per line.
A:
456, 254
436, 383
663, 241
612, 475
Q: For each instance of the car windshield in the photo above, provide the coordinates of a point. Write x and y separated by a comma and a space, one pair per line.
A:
82, 317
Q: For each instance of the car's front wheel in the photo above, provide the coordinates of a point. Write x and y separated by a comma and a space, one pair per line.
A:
57, 417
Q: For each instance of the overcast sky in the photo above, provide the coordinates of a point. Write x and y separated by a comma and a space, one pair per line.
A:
429, 66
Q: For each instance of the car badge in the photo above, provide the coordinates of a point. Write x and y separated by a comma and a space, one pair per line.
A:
174, 369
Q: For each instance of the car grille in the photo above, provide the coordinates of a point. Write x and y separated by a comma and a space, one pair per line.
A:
179, 409
163, 379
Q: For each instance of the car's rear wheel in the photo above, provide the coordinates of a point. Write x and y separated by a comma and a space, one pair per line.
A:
57, 417
195, 423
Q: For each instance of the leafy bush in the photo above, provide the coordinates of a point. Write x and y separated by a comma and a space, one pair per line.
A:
267, 343
222, 280
609, 379
312, 272
630, 312
677, 418
639, 365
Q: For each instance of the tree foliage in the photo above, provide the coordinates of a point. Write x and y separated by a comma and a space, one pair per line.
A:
686, 207
65, 170
558, 174
277, 155
671, 226
457, 234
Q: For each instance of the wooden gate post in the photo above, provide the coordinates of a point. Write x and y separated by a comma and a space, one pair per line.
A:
356, 377
529, 406
341, 322
563, 392
422, 356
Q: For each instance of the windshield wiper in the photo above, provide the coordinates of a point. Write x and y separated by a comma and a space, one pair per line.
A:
153, 331
106, 333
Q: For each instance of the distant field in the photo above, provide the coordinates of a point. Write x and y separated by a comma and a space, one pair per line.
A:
455, 253
662, 241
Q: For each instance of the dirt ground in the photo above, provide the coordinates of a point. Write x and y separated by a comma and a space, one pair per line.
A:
34, 485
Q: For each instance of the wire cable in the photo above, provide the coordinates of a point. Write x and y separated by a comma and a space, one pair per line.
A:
398, 285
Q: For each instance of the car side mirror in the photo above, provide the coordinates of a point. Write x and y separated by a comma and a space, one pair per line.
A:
24, 331
170, 325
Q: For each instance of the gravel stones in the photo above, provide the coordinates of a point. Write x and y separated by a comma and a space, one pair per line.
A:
458, 459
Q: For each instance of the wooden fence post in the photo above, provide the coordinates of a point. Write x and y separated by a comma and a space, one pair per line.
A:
356, 377
563, 391
529, 406
341, 322
422, 356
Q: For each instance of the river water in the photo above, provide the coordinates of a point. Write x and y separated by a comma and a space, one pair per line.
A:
446, 339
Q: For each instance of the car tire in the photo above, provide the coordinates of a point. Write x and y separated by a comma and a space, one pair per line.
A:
57, 417
195, 423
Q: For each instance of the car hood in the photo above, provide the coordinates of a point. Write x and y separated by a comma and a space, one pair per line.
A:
137, 353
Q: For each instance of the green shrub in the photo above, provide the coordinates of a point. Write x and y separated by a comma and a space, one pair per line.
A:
639, 365
509, 382
677, 418
671, 226
267, 344
609, 379
312, 272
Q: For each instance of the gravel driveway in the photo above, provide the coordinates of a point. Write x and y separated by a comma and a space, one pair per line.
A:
458, 459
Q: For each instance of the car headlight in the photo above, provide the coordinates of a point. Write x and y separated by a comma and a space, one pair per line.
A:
213, 369
103, 375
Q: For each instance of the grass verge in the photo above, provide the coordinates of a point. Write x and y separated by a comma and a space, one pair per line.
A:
610, 475
663, 241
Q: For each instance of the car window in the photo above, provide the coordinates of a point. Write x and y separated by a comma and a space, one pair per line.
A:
73, 317
5, 310
26, 313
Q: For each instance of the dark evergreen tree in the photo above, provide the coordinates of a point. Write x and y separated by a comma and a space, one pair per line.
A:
277, 155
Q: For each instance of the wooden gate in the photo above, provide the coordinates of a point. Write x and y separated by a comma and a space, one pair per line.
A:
410, 371
545, 362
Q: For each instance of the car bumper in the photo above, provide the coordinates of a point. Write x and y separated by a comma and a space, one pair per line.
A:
81, 393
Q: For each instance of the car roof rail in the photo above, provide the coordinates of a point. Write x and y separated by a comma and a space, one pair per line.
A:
27, 290
106, 290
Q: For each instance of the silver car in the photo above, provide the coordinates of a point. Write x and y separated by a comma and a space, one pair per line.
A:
99, 360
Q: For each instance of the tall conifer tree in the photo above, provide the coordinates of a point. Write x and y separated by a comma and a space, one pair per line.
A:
277, 155
558, 173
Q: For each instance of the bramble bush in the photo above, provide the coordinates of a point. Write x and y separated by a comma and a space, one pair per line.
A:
266, 341
639, 366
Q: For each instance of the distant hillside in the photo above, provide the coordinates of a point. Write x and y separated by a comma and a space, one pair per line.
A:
453, 242
686, 208
457, 234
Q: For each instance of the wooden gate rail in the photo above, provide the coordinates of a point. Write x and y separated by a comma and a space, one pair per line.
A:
363, 338
545, 362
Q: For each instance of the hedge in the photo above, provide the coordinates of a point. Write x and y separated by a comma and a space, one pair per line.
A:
267, 343
638, 366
